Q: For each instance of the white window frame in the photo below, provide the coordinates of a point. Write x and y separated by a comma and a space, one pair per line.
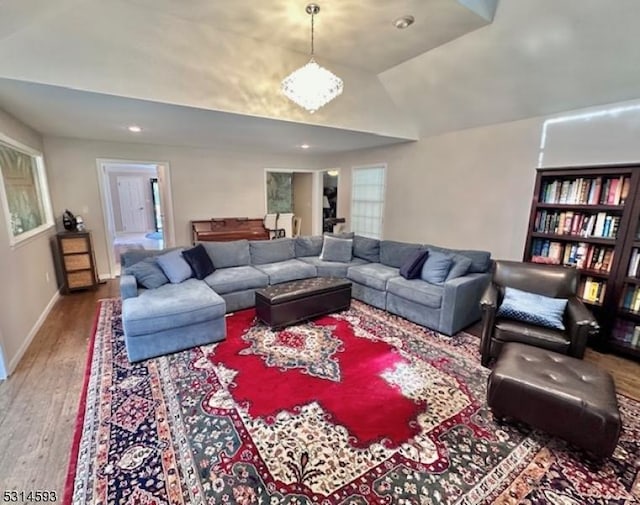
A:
383, 166
43, 193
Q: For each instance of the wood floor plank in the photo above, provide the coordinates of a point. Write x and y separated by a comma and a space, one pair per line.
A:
39, 402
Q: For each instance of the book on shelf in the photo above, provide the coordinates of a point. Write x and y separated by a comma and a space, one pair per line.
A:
607, 260
626, 333
624, 194
598, 230
613, 191
594, 197
607, 226
592, 290
635, 304
634, 262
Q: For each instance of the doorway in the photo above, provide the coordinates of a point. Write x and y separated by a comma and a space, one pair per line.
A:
295, 193
332, 222
137, 207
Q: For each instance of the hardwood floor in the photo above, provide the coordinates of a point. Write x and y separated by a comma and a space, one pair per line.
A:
38, 403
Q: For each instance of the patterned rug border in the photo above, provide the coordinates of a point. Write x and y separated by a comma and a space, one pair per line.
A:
82, 407
103, 306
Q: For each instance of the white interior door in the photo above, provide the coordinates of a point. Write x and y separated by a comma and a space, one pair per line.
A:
132, 203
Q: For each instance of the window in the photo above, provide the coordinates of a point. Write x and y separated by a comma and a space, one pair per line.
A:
367, 200
25, 195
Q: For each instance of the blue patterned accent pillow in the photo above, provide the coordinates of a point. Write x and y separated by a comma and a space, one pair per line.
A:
532, 308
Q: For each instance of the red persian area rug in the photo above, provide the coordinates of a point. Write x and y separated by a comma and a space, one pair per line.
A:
355, 408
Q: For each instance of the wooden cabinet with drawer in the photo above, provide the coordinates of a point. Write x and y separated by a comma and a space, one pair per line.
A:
78, 263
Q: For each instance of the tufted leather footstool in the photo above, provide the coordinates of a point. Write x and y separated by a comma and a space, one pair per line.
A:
289, 303
561, 395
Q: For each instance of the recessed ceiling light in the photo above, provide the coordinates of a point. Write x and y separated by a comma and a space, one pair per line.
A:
134, 129
305, 146
403, 22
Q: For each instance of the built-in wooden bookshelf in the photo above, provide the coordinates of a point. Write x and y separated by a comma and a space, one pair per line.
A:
589, 218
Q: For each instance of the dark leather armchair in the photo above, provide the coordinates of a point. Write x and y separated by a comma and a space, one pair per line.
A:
547, 280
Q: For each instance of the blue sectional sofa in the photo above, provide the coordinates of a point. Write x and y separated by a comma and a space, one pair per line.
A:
177, 316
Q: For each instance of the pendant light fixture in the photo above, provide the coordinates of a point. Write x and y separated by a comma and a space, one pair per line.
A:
312, 86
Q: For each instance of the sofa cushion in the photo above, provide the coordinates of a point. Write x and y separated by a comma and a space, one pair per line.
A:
394, 253
171, 306
128, 258
232, 279
199, 261
343, 234
308, 246
336, 249
532, 308
437, 267
147, 273
264, 252
416, 290
174, 266
480, 260
373, 275
228, 254
460, 266
412, 266
289, 270
332, 268
366, 248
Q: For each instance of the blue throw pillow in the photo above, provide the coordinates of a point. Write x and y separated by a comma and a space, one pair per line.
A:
174, 266
436, 267
412, 266
336, 249
532, 308
199, 261
147, 273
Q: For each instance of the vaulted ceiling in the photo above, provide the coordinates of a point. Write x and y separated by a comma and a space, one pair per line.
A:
206, 73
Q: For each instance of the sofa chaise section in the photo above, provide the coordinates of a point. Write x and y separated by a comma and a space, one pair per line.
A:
171, 318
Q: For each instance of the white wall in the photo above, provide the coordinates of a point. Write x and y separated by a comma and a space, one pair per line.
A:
205, 183
26, 294
473, 188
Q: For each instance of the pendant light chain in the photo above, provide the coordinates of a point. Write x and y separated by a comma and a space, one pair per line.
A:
312, 30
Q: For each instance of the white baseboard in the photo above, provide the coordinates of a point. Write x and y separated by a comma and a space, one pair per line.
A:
27, 341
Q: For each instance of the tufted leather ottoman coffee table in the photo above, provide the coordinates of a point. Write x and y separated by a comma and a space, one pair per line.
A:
288, 303
564, 396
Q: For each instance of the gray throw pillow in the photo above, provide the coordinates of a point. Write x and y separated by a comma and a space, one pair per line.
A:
336, 249
460, 266
174, 266
308, 246
147, 273
436, 268
366, 248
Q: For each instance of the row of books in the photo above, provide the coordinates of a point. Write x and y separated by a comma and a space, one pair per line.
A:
580, 255
634, 263
626, 333
586, 191
577, 223
631, 299
592, 290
